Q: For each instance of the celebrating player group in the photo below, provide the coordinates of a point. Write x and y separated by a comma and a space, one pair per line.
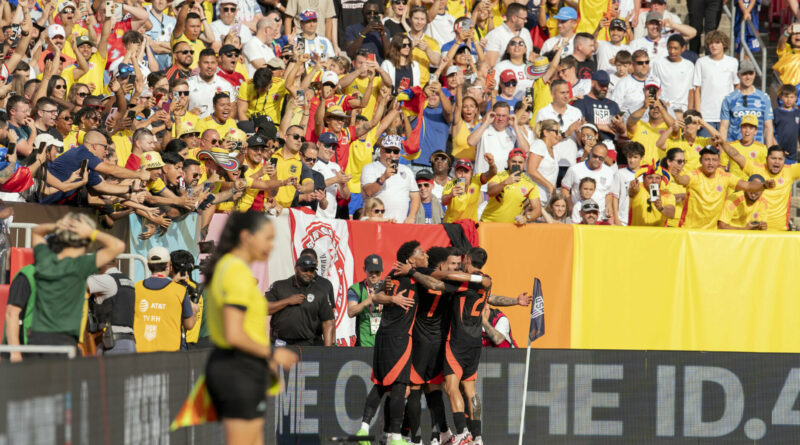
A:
430, 333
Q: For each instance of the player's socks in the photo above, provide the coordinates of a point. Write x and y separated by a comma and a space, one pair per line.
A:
414, 413
460, 421
475, 428
436, 405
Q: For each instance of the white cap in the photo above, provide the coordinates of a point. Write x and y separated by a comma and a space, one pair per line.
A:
48, 139
329, 77
652, 82
65, 5
55, 30
452, 70
158, 254
228, 2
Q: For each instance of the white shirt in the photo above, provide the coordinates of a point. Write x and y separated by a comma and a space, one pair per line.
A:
395, 192
655, 49
441, 29
328, 170
582, 88
320, 45
641, 28
676, 81
551, 43
220, 30
437, 190
570, 116
254, 50
499, 144
619, 189
498, 38
201, 93
523, 82
614, 81
605, 52
629, 95
716, 79
548, 167
603, 177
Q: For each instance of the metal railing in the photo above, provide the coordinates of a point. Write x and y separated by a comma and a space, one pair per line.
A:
69, 351
761, 70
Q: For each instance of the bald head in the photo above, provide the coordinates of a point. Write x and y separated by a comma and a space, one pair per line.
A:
94, 137
262, 24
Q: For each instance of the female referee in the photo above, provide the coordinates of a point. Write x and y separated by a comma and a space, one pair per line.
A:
237, 369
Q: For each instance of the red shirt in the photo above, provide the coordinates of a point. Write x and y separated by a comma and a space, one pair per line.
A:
115, 47
342, 154
342, 100
235, 78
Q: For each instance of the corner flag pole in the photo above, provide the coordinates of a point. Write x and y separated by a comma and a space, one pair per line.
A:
535, 330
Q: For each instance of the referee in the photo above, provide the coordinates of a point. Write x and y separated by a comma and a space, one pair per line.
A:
237, 369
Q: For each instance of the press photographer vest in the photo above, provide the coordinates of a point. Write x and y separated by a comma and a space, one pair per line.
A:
157, 321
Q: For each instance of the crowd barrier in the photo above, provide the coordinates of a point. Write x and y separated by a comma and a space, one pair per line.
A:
574, 397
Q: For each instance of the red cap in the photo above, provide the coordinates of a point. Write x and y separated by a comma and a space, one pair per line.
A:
507, 76
517, 152
463, 163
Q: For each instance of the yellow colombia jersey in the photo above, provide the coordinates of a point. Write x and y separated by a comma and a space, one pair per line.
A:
591, 11
706, 196
541, 98
97, 66
122, 145
193, 334
647, 135
788, 64
645, 213
233, 284
692, 151
737, 212
463, 206
756, 152
675, 189
187, 120
225, 129
459, 8
509, 203
157, 321
360, 155
461, 148
287, 168
269, 102
778, 198
359, 87
421, 57
248, 197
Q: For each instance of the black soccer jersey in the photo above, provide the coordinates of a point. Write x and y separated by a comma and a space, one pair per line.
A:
467, 304
433, 310
395, 320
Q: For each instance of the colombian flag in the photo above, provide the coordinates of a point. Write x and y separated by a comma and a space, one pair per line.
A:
197, 409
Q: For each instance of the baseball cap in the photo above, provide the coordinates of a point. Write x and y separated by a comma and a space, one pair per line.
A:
151, 159
438, 153
392, 140
660, 2
335, 110
306, 262
227, 2
83, 40
424, 176
276, 63
749, 119
652, 82
158, 254
566, 13
328, 138
307, 15
588, 205
124, 70
507, 76
329, 77
187, 127
55, 30
65, 5
618, 24
373, 263
226, 48
654, 16
452, 70
708, 149
747, 66
256, 140
48, 139
463, 163
517, 152
601, 77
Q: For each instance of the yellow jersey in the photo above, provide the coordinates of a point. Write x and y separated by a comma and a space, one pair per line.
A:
676, 189
509, 203
360, 155
359, 87
248, 197
590, 13
233, 284
181, 121
225, 129
77, 31
645, 213
461, 148
647, 135
737, 212
287, 168
692, 151
421, 57
464, 206
97, 66
779, 198
756, 152
269, 102
459, 8
788, 64
122, 145
706, 197
541, 98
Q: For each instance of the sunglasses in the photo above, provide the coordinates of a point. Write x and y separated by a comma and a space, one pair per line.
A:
400, 2
311, 160
181, 93
60, 87
298, 137
680, 161
330, 146
184, 52
231, 54
405, 45
516, 43
83, 94
379, 211
394, 151
233, 9
68, 11
510, 83
424, 184
642, 62
214, 141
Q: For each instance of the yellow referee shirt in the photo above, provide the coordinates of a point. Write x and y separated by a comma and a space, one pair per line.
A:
233, 284
706, 197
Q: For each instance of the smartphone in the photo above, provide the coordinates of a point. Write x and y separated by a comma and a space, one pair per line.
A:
371, 57
461, 182
466, 24
652, 91
515, 169
489, 78
300, 47
653, 192
158, 97
404, 83
41, 148
273, 161
84, 164
323, 57
12, 147
376, 19
301, 95
529, 92
395, 163
82, 9
131, 114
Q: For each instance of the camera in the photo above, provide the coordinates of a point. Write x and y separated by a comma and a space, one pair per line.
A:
191, 291
654, 192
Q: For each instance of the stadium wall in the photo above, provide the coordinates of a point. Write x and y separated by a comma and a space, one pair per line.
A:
574, 397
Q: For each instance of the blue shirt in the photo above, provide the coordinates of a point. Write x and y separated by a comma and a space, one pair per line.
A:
511, 102
433, 135
161, 32
427, 206
70, 162
446, 47
787, 129
598, 111
733, 108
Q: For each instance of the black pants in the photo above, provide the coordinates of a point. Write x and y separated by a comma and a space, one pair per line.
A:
704, 16
51, 339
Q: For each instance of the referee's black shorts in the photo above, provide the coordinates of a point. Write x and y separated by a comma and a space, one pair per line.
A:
237, 383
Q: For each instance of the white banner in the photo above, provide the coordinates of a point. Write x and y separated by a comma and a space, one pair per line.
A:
330, 238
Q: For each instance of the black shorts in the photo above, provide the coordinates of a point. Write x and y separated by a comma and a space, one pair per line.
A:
237, 384
462, 361
427, 358
391, 361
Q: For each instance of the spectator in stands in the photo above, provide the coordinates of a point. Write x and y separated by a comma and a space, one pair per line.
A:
659, 29
370, 34
164, 307
400, 64
430, 209
299, 308
227, 23
45, 113
392, 182
316, 199
568, 72
192, 27
747, 146
182, 61
441, 163
113, 303
228, 58
542, 165
360, 304
20, 122
608, 50
640, 20
714, 77
567, 116
594, 167
651, 204
566, 17
220, 118
628, 92
584, 55
317, 45
590, 213
787, 122
599, 110
510, 191
462, 194
788, 55
744, 210
704, 16
289, 167
675, 74
496, 136
557, 210
335, 180
659, 120
62, 267
513, 59
373, 210
747, 100
620, 202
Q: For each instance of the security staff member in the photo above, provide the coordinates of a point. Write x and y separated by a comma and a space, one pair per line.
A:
113, 307
298, 307
162, 307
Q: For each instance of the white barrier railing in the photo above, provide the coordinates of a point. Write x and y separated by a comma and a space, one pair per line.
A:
69, 351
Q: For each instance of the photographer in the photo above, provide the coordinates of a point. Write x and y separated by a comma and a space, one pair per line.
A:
360, 304
393, 183
111, 310
182, 266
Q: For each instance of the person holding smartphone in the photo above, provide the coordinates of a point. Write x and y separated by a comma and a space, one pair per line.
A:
650, 203
462, 194
511, 190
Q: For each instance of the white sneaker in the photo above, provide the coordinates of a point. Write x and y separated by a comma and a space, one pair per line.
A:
462, 439
434, 441
445, 438
477, 441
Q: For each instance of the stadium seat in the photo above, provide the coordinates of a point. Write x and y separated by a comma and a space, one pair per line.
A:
20, 257
3, 301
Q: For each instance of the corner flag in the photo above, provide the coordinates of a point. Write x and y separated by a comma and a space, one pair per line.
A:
537, 312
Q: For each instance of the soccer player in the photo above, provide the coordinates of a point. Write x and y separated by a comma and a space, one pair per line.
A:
708, 188
391, 366
779, 178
